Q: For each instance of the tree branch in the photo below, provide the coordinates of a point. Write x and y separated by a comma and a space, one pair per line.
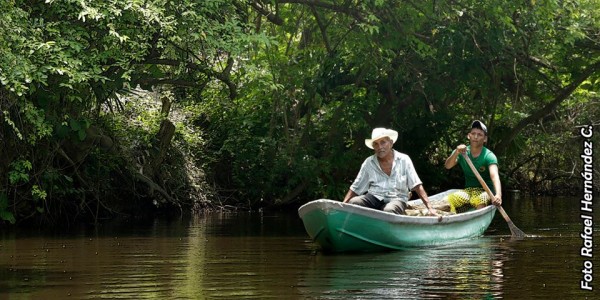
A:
549, 108
223, 76
272, 17
154, 186
322, 28
333, 7
175, 82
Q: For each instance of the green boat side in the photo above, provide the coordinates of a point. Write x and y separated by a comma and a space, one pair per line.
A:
341, 227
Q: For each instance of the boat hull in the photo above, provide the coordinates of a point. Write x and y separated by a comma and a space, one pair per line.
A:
340, 227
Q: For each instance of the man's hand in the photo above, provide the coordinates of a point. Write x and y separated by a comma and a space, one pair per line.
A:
433, 212
497, 200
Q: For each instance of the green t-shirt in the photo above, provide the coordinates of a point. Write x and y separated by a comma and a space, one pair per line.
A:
481, 163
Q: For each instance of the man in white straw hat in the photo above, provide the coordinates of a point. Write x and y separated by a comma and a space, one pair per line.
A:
386, 178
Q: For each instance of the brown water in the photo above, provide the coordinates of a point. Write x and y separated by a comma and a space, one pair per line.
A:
269, 255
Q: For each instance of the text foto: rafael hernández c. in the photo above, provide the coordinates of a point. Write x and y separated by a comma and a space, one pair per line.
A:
586, 209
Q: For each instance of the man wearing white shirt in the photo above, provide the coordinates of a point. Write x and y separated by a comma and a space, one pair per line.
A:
386, 178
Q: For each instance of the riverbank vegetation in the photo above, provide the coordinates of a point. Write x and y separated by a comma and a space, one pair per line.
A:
147, 106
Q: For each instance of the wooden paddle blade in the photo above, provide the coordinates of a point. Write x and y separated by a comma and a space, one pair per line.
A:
514, 230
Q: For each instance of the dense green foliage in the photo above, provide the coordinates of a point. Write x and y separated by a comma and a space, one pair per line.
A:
109, 106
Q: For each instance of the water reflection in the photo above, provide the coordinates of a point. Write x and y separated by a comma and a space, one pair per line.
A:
470, 269
252, 257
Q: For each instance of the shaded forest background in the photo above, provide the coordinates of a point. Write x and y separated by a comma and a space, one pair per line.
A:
112, 108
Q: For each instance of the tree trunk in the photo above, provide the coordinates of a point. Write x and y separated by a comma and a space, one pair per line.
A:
164, 137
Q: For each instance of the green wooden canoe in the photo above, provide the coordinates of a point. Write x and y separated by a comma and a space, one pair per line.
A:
339, 227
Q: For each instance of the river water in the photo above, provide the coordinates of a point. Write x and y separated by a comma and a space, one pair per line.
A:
269, 255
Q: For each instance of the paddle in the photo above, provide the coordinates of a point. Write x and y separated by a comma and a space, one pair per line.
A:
516, 232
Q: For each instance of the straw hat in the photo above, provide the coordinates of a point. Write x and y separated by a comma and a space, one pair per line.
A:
379, 133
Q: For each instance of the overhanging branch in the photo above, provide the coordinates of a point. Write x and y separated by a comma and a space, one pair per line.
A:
272, 17
356, 14
549, 108
222, 76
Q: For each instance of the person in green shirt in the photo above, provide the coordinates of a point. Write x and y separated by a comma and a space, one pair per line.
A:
485, 161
